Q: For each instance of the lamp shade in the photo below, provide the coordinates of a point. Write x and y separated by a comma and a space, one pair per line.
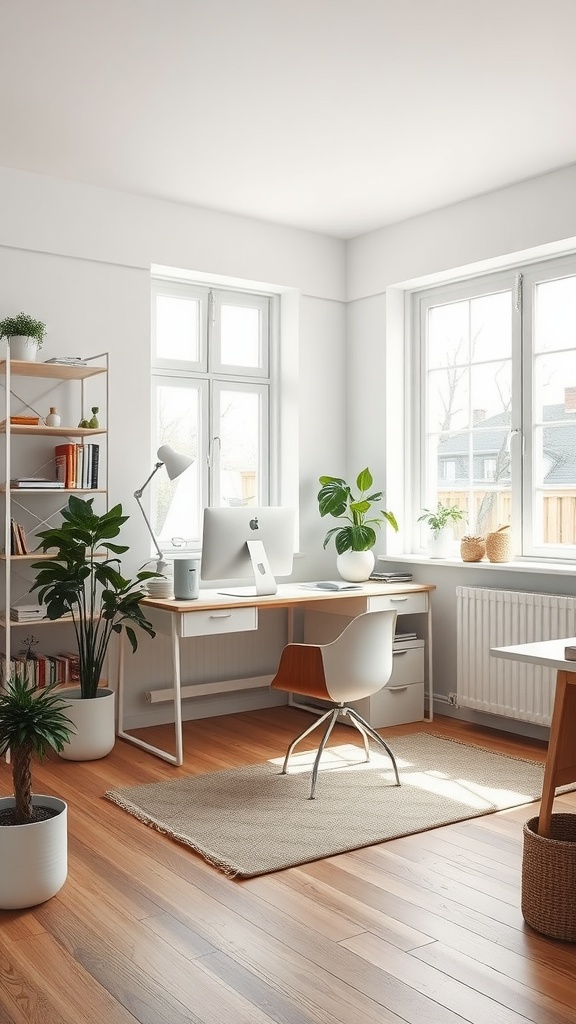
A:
174, 462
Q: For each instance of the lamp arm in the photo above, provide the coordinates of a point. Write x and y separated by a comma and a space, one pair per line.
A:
138, 495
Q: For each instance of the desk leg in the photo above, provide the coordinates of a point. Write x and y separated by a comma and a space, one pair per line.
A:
430, 714
561, 758
177, 758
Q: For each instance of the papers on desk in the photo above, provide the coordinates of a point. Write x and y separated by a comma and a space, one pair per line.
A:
331, 585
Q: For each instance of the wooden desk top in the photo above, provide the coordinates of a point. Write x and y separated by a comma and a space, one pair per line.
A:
541, 652
289, 594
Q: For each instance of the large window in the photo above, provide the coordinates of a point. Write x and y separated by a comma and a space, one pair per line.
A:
495, 404
211, 395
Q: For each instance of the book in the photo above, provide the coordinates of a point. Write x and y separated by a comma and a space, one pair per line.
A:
94, 468
30, 421
37, 482
65, 460
332, 585
67, 360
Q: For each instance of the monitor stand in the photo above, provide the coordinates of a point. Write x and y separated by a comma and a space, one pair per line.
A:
265, 582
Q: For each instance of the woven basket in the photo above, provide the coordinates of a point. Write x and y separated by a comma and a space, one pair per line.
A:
498, 545
549, 878
472, 549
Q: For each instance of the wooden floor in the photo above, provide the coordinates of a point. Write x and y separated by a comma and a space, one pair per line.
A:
425, 929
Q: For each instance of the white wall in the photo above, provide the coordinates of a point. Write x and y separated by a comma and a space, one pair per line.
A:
534, 217
79, 258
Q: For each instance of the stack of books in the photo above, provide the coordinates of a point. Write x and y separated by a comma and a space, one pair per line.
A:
27, 612
67, 360
19, 421
35, 482
77, 465
390, 577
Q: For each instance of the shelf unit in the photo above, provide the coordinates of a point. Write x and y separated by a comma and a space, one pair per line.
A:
31, 388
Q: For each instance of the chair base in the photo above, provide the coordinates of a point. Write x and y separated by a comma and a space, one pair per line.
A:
330, 717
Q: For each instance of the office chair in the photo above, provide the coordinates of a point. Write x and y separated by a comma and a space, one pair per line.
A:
355, 665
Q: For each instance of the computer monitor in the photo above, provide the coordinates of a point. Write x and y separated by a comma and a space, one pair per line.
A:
248, 543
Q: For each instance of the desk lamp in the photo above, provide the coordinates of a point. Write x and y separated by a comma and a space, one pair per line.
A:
175, 463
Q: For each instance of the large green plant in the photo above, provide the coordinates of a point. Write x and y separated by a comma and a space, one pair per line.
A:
31, 722
335, 499
23, 325
77, 579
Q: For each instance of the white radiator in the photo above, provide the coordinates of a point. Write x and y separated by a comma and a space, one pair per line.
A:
499, 618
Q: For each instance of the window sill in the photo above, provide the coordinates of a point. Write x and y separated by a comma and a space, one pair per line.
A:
548, 568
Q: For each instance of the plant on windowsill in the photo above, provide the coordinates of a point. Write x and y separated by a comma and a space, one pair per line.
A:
25, 335
441, 521
358, 536
34, 860
76, 580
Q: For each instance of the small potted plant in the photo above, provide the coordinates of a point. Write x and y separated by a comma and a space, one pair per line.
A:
441, 521
33, 829
24, 334
78, 579
354, 541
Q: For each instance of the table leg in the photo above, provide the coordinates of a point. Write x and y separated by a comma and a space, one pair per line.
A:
561, 758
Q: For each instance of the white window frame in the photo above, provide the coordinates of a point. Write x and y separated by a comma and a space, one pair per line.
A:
522, 281
213, 376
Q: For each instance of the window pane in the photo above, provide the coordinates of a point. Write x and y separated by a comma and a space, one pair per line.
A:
177, 328
240, 447
240, 336
491, 326
555, 320
176, 502
448, 334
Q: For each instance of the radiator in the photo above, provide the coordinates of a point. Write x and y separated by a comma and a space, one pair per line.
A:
499, 618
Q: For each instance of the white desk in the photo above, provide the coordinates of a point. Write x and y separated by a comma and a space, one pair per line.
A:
215, 613
561, 758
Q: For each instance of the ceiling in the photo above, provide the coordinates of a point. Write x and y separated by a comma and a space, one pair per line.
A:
339, 116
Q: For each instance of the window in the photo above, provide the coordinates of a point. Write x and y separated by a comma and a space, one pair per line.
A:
211, 380
496, 434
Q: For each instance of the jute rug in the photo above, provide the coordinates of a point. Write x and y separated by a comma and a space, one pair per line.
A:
253, 820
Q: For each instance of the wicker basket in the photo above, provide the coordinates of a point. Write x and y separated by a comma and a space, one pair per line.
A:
549, 878
498, 545
472, 549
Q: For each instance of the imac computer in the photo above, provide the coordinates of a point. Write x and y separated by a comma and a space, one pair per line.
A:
248, 543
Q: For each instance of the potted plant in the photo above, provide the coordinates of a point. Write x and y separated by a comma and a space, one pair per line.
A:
80, 580
354, 541
441, 521
33, 829
24, 334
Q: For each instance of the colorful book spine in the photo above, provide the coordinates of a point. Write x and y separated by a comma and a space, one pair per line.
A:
65, 459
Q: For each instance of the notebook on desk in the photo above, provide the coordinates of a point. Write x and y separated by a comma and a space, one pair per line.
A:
331, 585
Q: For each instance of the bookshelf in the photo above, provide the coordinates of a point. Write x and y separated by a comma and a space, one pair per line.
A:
28, 452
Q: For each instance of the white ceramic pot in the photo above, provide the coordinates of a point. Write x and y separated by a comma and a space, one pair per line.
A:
441, 543
34, 857
22, 347
355, 566
94, 721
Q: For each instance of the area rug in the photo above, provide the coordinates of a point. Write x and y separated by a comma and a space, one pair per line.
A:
253, 820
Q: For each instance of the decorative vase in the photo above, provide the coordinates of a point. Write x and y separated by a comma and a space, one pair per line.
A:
34, 857
441, 543
53, 419
22, 347
498, 545
94, 722
355, 566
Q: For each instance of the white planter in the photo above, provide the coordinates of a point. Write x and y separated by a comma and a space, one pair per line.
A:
94, 721
22, 347
355, 566
441, 543
34, 857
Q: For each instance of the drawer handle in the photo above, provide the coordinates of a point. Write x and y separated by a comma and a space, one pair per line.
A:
397, 689
397, 600
221, 615
396, 654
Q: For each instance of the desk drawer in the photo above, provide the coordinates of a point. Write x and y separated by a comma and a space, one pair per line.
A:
221, 620
404, 604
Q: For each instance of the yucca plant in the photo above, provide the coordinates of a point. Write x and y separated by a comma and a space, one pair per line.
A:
78, 580
335, 498
32, 721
